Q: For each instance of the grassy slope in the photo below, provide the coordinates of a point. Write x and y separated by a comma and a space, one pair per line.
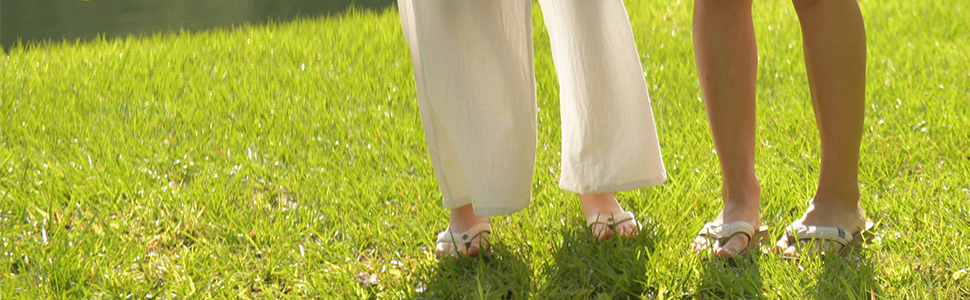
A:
288, 160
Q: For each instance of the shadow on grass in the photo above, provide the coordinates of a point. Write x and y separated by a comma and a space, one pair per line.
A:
584, 268
836, 278
851, 277
720, 280
504, 274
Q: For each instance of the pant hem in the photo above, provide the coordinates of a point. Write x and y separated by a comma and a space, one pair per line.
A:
495, 211
610, 188
485, 211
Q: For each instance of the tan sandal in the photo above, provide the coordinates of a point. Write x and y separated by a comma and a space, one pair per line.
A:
798, 232
610, 223
721, 233
465, 239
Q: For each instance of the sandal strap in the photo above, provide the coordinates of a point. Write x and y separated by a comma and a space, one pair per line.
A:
799, 231
610, 221
464, 237
723, 231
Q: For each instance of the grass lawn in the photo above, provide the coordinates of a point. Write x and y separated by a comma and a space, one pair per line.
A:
288, 161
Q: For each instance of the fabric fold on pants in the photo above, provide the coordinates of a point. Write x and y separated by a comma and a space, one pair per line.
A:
475, 81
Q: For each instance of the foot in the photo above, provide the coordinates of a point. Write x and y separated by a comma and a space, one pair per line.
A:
824, 214
733, 212
463, 219
596, 206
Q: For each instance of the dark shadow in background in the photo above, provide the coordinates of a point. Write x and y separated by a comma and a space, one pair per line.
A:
36, 21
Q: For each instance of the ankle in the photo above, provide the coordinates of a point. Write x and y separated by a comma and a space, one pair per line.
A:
747, 198
741, 192
464, 217
740, 212
834, 213
843, 192
593, 204
742, 208
845, 201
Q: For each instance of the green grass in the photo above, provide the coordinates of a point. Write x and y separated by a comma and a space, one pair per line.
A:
288, 161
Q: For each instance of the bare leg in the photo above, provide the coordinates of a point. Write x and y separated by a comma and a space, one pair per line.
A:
462, 219
835, 56
726, 55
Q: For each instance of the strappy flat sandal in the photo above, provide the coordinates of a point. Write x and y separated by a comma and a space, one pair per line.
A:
798, 232
465, 239
721, 233
611, 221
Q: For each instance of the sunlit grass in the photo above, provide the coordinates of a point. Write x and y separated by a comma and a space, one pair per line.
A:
288, 160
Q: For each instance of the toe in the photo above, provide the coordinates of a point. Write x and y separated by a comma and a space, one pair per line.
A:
628, 229
601, 231
605, 234
736, 244
725, 253
478, 245
473, 251
781, 246
445, 250
823, 247
701, 244
811, 248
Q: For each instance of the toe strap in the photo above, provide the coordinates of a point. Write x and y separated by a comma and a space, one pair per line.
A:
722, 231
610, 220
799, 231
464, 237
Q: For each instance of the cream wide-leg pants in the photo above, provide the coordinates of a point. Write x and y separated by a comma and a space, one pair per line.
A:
473, 68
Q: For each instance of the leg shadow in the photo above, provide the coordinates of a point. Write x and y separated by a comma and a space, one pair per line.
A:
503, 274
720, 280
851, 277
584, 268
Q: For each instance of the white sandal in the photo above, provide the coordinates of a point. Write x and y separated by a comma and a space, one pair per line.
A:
797, 232
611, 221
464, 239
720, 233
